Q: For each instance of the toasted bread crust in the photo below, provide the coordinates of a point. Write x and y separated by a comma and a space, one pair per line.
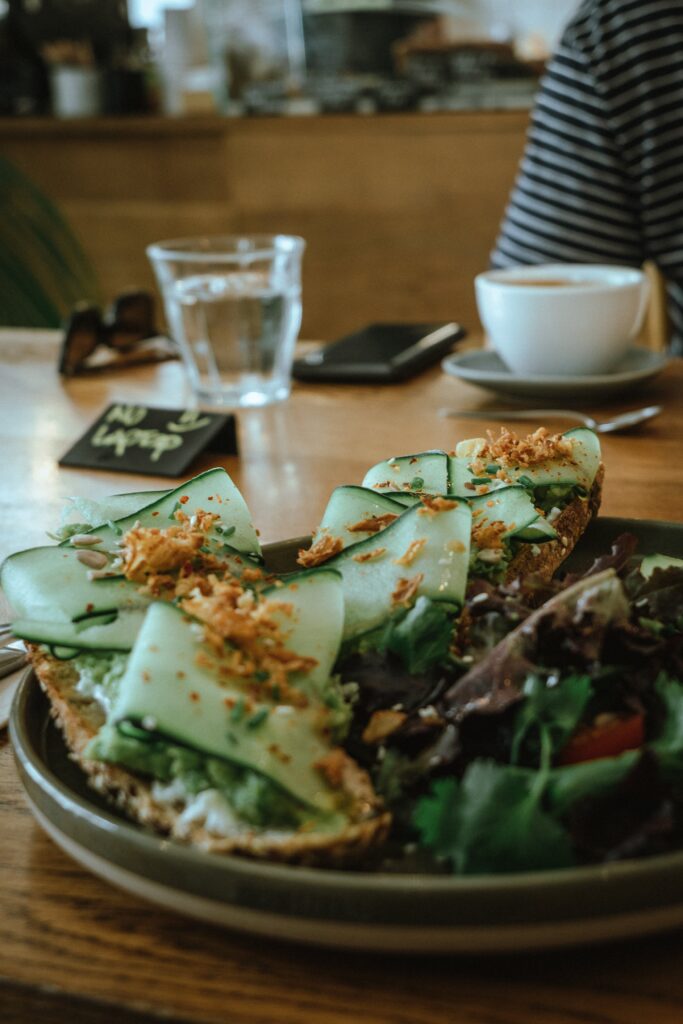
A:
570, 526
80, 718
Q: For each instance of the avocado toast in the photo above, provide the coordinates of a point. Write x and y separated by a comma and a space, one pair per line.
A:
204, 696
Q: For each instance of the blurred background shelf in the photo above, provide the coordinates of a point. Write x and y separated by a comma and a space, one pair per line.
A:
386, 132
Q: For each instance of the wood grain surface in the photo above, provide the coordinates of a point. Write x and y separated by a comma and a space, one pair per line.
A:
73, 949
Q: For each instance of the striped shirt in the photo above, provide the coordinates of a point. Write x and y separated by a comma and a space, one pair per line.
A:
601, 180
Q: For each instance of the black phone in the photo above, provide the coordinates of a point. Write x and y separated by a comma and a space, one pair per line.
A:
379, 353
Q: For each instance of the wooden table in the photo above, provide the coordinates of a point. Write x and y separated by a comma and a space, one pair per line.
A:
72, 948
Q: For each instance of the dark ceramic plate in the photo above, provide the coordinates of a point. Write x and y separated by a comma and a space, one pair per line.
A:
351, 909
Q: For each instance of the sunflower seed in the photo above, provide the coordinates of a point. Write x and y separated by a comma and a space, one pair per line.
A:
85, 540
93, 559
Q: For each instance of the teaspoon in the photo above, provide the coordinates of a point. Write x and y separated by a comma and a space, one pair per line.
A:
624, 421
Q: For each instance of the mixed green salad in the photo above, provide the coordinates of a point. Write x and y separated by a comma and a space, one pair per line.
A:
400, 674
557, 739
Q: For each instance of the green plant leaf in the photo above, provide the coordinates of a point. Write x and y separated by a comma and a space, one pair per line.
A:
572, 783
492, 821
551, 710
422, 638
43, 269
669, 745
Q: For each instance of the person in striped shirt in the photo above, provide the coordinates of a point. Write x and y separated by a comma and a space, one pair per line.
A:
601, 180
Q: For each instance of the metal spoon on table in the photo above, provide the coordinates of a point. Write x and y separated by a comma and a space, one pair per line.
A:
624, 421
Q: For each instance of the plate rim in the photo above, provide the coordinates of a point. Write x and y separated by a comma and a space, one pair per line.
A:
369, 936
61, 793
612, 881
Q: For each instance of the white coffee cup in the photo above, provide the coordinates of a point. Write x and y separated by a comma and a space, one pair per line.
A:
562, 319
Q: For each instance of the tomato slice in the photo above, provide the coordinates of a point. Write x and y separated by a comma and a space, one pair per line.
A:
604, 738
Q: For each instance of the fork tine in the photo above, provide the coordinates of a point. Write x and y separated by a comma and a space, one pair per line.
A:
11, 661
6, 632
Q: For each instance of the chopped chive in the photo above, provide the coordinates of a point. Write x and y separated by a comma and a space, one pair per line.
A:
525, 481
206, 549
275, 693
480, 480
237, 712
174, 510
228, 531
128, 728
261, 676
258, 718
417, 483
580, 490
492, 468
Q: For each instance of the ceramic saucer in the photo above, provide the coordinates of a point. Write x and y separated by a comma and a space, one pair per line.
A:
485, 369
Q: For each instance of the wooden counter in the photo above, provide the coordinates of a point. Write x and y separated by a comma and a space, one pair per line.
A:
75, 949
399, 211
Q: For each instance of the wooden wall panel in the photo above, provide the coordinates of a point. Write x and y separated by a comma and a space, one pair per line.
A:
115, 234
399, 212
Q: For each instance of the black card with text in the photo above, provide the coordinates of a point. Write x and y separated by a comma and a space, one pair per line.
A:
156, 442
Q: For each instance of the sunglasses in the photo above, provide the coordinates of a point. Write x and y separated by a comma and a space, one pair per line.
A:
130, 321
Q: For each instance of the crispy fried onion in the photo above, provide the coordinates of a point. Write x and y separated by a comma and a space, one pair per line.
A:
245, 635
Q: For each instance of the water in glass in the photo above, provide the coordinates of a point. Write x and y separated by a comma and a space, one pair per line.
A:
239, 329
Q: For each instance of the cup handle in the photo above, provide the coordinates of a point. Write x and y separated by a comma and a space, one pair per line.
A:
645, 292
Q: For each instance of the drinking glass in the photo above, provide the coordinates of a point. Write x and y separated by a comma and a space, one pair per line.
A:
233, 306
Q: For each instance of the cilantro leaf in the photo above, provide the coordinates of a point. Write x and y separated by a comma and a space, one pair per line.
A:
671, 738
572, 783
552, 711
593, 779
669, 744
437, 818
492, 821
422, 637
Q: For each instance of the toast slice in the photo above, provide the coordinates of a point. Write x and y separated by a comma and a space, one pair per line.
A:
80, 718
543, 560
192, 819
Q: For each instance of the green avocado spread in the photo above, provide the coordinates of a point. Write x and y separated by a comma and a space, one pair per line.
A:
99, 676
253, 798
